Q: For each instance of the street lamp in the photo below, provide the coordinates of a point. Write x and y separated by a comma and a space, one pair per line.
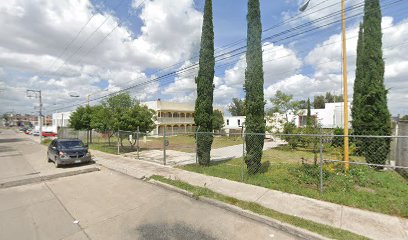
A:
345, 92
37, 94
304, 6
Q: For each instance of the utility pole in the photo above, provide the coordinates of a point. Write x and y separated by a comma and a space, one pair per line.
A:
345, 96
37, 93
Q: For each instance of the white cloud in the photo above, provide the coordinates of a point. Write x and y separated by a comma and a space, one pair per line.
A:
325, 58
35, 33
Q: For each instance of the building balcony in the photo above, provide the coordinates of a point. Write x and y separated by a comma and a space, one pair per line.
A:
175, 120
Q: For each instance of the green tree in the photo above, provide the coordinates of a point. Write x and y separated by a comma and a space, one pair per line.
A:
116, 106
217, 120
80, 119
102, 121
283, 103
319, 102
309, 120
404, 118
205, 87
375, 116
237, 107
356, 109
254, 81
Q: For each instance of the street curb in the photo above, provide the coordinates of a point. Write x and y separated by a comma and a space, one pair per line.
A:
46, 178
299, 232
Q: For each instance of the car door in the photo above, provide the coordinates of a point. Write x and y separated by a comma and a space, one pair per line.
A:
50, 150
54, 150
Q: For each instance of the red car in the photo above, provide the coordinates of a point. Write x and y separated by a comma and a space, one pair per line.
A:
48, 134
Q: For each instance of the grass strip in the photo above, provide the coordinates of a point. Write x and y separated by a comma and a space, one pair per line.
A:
321, 229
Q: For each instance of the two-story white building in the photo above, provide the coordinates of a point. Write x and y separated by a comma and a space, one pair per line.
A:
331, 116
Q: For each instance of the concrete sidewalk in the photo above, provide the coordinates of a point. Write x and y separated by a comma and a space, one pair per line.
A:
370, 224
177, 158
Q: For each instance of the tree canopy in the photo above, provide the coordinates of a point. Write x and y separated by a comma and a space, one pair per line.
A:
319, 101
119, 112
283, 103
218, 120
237, 107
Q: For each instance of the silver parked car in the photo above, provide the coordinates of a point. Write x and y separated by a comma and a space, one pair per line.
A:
68, 151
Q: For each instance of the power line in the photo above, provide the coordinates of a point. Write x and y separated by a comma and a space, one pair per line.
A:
286, 21
223, 54
74, 38
89, 37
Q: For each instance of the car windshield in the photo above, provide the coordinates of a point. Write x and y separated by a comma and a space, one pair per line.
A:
71, 144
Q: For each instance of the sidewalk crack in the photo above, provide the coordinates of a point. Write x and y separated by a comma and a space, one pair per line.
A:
267, 190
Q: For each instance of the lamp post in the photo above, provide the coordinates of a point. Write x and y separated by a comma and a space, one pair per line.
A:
345, 92
37, 93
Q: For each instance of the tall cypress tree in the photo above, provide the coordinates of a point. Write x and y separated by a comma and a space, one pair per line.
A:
205, 88
254, 109
356, 109
309, 114
375, 116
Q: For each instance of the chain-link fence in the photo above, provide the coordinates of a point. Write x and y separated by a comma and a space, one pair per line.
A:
313, 159
317, 163
312, 165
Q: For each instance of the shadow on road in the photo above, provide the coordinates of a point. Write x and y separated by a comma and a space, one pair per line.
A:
68, 166
179, 231
11, 140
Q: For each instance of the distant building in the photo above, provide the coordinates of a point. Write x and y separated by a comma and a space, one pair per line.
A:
331, 116
233, 124
60, 119
172, 117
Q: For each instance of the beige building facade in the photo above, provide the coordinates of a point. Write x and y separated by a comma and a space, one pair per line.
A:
172, 117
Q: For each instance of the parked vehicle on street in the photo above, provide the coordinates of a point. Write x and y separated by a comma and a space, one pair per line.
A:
68, 151
35, 133
28, 131
48, 134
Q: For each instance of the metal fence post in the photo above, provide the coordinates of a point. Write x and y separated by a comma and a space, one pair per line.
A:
243, 156
137, 142
164, 146
118, 143
196, 145
321, 165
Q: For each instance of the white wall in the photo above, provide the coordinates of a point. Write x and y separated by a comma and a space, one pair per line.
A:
60, 119
331, 116
234, 122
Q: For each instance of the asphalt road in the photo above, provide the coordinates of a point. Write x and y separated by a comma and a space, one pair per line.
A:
105, 205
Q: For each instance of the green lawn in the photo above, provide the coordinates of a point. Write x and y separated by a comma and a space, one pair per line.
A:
321, 229
363, 187
182, 143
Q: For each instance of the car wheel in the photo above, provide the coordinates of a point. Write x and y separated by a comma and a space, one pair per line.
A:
48, 159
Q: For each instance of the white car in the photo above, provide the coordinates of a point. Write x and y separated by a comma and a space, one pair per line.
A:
35, 133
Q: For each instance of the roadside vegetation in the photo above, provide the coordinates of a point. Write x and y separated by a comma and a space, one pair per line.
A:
182, 143
321, 229
282, 169
46, 141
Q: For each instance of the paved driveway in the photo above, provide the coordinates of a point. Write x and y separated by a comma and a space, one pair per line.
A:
182, 158
22, 158
108, 205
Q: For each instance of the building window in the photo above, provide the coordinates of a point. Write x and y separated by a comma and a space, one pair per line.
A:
239, 122
227, 122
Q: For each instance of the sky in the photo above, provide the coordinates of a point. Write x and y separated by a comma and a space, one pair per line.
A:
149, 48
